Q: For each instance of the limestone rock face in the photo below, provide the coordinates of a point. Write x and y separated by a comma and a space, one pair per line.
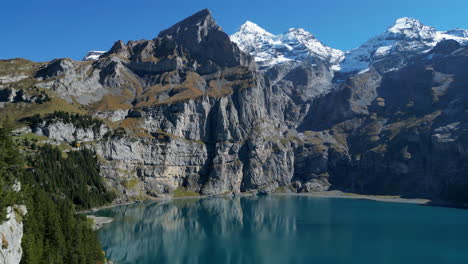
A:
66, 132
11, 233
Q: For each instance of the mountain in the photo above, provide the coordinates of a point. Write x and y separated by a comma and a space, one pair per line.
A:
196, 111
392, 49
294, 45
93, 55
389, 50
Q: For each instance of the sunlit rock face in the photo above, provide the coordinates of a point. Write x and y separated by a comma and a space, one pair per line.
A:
199, 111
11, 234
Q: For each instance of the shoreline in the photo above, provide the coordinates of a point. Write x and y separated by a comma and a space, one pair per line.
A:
344, 195
98, 221
322, 194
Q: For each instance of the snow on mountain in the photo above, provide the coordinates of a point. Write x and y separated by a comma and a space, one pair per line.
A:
93, 55
294, 45
406, 35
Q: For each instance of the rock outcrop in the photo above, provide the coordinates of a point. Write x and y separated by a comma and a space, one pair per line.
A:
11, 233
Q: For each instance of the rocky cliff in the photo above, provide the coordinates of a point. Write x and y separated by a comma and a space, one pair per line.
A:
11, 233
189, 111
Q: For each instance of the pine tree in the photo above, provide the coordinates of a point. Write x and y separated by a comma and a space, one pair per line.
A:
11, 166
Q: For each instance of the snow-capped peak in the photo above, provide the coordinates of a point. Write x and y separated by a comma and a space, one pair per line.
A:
93, 55
405, 23
252, 28
458, 32
250, 36
296, 44
406, 35
411, 28
299, 31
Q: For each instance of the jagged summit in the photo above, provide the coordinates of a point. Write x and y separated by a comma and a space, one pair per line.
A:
252, 28
191, 50
250, 36
204, 38
202, 21
296, 44
197, 40
411, 28
93, 55
406, 38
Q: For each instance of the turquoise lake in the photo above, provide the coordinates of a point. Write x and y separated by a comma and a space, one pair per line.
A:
285, 229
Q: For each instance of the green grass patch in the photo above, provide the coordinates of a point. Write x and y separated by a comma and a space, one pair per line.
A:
282, 189
19, 111
183, 192
31, 137
130, 184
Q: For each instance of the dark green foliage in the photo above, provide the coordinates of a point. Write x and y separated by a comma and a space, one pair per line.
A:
54, 233
33, 121
76, 177
118, 132
42, 98
11, 165
78, 120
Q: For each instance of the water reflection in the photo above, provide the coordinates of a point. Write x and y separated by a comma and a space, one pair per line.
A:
283, 230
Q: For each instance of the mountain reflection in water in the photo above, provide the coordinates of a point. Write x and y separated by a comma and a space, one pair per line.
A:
284, 229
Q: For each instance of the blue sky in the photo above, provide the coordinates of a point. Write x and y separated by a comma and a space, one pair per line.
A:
47, 29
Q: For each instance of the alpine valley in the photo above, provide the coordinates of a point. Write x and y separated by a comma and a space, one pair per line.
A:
195, 111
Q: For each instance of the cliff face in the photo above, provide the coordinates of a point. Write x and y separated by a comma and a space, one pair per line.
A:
189, 111
185, 110
405, 130
11, 233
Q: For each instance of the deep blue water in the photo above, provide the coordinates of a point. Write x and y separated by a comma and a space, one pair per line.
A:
285, 229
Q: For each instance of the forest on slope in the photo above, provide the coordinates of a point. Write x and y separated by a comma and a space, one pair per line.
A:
53, 186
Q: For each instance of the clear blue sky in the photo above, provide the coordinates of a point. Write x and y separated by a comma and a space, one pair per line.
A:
41, 30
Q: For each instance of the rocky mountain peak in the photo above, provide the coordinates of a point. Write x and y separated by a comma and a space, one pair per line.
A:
411, 28
205, 41
195, 27
196, 40
119, 47
93, 55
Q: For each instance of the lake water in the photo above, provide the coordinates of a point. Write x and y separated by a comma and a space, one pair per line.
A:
285, 229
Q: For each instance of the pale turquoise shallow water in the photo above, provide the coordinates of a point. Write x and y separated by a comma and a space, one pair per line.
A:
285, 229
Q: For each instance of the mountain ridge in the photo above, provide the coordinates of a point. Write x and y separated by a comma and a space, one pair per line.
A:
296, 44
190, 111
